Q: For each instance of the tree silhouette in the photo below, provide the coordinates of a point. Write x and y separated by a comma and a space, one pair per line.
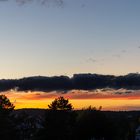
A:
59, 121
7, 128
5, 103
60, 103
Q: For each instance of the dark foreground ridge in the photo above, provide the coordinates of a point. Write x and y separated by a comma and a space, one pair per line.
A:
41, 124
78, 81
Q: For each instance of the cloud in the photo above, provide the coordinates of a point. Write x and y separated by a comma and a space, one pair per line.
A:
91, 60
78, 82
76, 94
124, 51
42, 2
120, 54
116, 55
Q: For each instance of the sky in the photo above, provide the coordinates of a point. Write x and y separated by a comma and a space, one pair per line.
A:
79, 99
82, 36
67, 37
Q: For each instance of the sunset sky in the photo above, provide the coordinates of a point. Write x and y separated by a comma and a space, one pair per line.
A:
75, 36
79, 99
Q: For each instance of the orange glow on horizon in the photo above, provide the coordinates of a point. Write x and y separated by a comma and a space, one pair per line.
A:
78, 99
107, 104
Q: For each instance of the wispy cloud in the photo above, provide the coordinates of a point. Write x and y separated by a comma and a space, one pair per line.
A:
76, 94
116, 55
42, 2
123, 51
91, 60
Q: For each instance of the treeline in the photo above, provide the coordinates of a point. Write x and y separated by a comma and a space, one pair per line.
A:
78, 81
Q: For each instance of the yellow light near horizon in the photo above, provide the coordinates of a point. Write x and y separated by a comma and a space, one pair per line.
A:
107, 104
34, 100
32, 104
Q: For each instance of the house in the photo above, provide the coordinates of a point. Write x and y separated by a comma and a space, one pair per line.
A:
137, 136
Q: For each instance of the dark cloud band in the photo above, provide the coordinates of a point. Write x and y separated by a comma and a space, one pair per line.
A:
78, 81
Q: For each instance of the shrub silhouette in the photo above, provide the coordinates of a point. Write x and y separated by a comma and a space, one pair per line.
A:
5, 103
60, 103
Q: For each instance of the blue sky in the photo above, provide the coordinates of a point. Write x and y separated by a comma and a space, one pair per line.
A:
80, 36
